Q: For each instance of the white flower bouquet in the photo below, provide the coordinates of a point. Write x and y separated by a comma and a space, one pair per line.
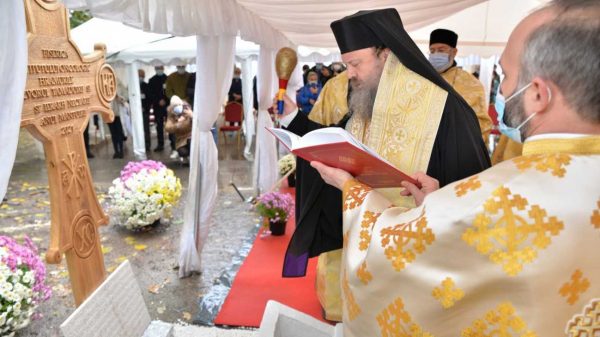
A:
286, 164
22, 284
144, 193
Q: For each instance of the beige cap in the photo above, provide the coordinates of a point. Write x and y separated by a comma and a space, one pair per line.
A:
175, 100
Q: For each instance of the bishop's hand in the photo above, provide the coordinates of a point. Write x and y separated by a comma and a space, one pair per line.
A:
288, 105
333, 176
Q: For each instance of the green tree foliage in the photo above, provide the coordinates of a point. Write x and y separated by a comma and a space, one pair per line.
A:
79, 17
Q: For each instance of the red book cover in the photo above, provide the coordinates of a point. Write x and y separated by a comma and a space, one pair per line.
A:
339, 151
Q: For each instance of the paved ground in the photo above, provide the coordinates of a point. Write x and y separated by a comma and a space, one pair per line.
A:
153, 253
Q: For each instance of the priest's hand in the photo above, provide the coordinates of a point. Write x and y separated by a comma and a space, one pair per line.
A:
428, 185
333, 176
288, 105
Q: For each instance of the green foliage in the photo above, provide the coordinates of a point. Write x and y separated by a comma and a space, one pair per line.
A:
79, 17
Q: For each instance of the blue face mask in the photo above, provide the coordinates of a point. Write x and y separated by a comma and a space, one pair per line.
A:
440, 61
509, 131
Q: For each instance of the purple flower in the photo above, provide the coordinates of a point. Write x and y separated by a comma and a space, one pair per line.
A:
26, 257
132, 168
275, 205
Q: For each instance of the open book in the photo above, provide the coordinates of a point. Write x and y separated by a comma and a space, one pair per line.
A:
337, 148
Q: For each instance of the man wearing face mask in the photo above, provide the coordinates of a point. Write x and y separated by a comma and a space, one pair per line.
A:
158, 99
176, 83
511, 249
442, 49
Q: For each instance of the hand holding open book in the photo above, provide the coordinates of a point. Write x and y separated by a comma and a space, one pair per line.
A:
337, 148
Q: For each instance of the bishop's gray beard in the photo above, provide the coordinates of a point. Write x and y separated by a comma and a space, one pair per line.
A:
362, 101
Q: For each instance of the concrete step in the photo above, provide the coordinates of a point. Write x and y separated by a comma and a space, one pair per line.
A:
201, 331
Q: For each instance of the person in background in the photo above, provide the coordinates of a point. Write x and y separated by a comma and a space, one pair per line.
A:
86, 142
476, 71
305, 69
146, 102
190, 89
179, 123
442, 49
308, 94
158, 101
325, 74
119, 107
255, 94
494, 86
176, 84
337, 68
235, 90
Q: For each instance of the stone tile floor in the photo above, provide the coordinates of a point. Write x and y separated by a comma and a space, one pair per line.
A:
153, 253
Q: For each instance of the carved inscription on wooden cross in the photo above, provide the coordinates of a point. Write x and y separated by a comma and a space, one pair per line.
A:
63, 87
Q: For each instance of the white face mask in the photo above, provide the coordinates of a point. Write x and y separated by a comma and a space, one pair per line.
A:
178, 109
159, 72
181, 71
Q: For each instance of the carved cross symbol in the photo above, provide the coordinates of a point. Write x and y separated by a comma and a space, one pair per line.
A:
72, 177
63, 87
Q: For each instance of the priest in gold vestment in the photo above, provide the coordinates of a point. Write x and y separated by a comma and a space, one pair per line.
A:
329, 109
400, 107
512, 251
442, 49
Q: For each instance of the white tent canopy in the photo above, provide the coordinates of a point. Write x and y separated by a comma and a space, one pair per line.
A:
115, 35
270, 23
482, 29
127, 44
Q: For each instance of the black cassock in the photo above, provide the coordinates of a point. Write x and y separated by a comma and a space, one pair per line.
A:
458, 151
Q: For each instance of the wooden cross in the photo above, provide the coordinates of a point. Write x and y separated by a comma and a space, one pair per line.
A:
63, 87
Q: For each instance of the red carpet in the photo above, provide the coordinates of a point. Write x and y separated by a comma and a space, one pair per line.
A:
259, 280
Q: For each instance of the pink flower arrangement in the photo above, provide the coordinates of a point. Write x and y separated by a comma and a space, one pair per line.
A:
134, 167
22, 283
275, 206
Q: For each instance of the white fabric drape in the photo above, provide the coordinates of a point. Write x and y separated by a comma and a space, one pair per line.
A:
248, 96
214, 60
135, 107
265, 166
13, 67
270, 23
265, 157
